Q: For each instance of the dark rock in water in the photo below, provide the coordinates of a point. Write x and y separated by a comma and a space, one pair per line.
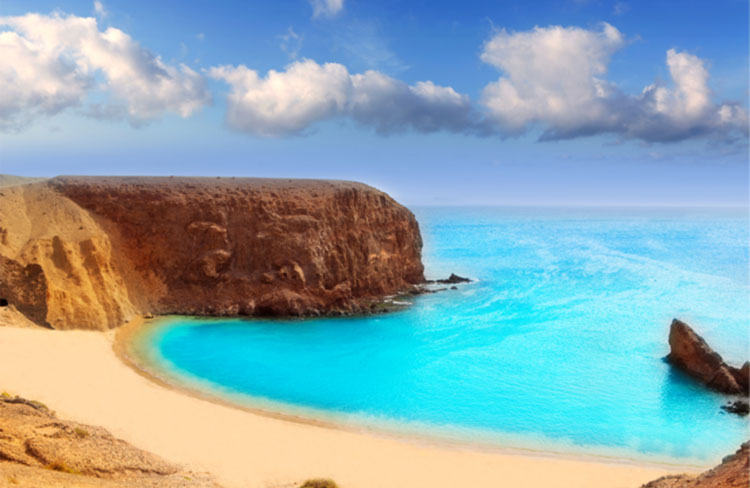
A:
454, 287
740, 407
454, 278
690, 353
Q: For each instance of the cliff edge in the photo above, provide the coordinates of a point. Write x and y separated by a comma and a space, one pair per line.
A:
92, 252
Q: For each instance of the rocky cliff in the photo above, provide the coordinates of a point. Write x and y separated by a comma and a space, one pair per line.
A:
91, 252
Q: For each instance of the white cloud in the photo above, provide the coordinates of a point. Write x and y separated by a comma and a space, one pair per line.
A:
553, 78
291, 43
326, 8
290, 101
620, 8
49, 63
552, 74
99, 9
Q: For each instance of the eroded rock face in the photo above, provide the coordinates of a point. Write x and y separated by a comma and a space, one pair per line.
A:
733, 472
111, 248
25, 287
40, 449
690, 353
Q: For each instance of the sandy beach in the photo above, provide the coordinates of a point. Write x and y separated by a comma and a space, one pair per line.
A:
78, 374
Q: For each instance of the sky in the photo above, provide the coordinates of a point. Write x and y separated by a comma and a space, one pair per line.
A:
566, 102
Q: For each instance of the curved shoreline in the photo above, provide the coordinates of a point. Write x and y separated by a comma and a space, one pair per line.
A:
125, 335
77, 373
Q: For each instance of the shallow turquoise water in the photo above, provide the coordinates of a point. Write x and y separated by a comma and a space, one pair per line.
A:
557, 346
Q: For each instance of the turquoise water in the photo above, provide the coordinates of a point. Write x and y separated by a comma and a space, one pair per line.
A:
558, 345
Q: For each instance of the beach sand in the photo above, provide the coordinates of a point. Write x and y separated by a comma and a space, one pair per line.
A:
78, 375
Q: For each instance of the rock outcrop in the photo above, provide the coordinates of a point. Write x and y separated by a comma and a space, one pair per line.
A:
453, 279
690, 353
39, 449
738, 407
733, 472
92, 252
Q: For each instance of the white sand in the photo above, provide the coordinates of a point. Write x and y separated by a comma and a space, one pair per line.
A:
77, 374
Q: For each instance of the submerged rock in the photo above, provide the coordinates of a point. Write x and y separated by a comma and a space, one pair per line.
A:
740, 407
690, 353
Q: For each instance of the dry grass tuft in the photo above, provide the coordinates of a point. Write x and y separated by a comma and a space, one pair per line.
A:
319, 483
62, 467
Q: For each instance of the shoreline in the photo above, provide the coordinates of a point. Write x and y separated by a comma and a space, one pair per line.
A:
77, 374
125, 335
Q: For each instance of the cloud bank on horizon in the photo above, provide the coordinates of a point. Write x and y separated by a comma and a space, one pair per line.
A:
551, 79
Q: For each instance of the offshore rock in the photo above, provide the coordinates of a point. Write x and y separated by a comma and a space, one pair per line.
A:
453, 279
739, 407
690, 353
94, 252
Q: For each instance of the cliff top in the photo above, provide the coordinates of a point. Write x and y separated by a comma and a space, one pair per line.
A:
7, 181
212, 183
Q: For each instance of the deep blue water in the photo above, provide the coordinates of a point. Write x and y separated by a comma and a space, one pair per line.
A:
557, 346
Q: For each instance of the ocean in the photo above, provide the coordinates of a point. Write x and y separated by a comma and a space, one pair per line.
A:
556, 346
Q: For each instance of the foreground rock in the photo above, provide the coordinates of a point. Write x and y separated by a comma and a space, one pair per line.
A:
733, 472
93, 252
690, 353
38, 449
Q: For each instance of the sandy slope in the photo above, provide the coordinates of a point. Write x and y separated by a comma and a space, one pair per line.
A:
78, 373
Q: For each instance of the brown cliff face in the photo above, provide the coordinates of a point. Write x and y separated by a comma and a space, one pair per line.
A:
689, 352
110, 248
733, 472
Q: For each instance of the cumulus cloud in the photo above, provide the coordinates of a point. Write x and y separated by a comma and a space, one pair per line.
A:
552, 74
553, 78
50, 63
290, 101
326, 8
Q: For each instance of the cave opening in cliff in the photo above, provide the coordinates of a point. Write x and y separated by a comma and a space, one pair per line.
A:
3, 302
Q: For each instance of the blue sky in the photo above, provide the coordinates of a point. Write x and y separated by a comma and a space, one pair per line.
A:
434, 102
